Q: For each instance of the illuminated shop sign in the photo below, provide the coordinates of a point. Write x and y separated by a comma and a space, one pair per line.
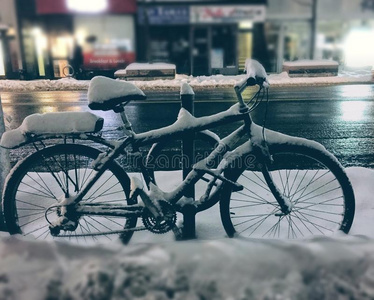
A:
163, 15
107, 57
227, 14
85, 6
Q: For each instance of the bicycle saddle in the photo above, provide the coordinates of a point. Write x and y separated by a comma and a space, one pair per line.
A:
105, 93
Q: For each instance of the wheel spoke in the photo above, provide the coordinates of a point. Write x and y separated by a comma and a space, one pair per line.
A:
45, 187
66, 169
315, 225
261, 186
260, 198
314, 184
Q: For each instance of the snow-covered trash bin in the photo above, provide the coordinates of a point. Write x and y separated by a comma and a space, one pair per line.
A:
147, 71
311, 68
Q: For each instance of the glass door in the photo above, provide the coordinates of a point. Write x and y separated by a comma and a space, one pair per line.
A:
61, 49
201, 41
245, 48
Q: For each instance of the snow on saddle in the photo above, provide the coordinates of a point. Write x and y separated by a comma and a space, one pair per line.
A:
105, 93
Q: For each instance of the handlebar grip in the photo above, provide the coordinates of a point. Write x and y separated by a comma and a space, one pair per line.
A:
251, 81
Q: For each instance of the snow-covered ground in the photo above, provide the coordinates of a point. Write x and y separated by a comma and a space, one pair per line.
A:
212, 267
200, 82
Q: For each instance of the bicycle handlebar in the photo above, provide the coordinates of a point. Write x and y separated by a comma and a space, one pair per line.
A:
251, 81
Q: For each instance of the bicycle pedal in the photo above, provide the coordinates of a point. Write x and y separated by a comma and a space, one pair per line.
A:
236, 187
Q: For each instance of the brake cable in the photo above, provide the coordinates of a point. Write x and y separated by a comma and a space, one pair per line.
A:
265, 115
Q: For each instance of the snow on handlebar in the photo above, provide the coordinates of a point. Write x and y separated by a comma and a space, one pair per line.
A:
256, 74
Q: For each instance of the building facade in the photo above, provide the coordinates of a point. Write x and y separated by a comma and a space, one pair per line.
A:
202, 37
94, 37
39, 38
343, 32
9, 43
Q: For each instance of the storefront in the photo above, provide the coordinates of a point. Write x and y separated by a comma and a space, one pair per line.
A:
200, 39
9, 49
288, 32
344, 32
92, 36
228, 32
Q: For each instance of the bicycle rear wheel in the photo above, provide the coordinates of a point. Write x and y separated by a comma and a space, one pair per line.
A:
316, 185
41, 179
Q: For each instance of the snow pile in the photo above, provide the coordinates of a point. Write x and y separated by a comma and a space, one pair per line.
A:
283, 79
145, 66
311, 63
320, 268
199, 82
186, 89
103, 88
50, 123
64, 84
254, 69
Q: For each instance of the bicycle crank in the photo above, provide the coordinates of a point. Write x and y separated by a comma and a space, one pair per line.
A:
164, 223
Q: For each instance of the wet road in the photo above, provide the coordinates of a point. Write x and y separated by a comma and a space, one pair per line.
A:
339, 117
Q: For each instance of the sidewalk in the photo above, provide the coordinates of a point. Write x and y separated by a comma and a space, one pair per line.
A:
198, 83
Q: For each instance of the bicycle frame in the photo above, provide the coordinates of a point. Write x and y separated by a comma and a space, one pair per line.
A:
186, 124
235, 113
173, 131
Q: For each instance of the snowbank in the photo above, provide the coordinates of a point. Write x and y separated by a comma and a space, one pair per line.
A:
65, 84
200, 82
320, 268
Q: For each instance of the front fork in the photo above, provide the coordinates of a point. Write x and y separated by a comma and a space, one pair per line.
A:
284, 203
263, 152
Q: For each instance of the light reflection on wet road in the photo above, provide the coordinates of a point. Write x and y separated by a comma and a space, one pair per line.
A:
340, 117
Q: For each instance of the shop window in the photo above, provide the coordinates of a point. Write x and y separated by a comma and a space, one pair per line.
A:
170, 44
41, 48
107, 41
245, 48
296, 41
61, 49
200, 51
223, 50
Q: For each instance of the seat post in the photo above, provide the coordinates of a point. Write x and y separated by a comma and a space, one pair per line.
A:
127, 127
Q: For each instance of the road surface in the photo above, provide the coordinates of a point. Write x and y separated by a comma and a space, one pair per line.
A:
339, 117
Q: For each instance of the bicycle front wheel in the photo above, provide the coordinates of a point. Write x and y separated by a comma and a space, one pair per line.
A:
320, 192
43, 178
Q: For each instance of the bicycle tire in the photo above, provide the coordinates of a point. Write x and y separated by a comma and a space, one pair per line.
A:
323, 202
39, 180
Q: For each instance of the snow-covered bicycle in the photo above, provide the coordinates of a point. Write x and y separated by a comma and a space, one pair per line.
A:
268, 184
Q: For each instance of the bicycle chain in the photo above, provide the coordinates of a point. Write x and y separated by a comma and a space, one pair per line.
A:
104, 233
149, 222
